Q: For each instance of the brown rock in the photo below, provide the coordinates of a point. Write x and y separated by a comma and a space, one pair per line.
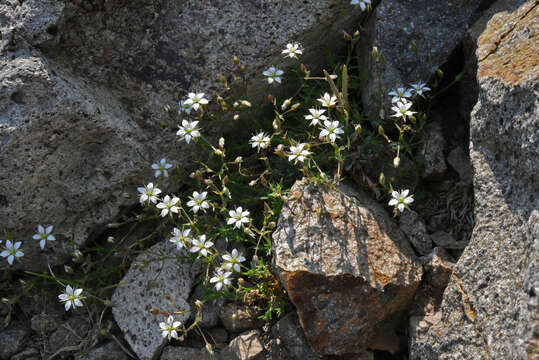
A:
236, 317
345, 264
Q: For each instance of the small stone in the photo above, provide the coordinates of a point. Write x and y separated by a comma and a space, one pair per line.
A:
144, 287
219, 336
447, 241
12, 341
69, 334
108, 351
237, 318
291, 336
247, 346
44, 323
415, 229
185, 353
460, 162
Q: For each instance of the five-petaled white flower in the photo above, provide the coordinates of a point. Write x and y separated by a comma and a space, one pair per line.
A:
399, 94
331, 130
188, 130
221, 278
273, 74
168, 205
184, 108
149, 193
402, 109
44, 235
169, 328
198, 201
181, 238
419, 88
238, 217
298, 153
361, 3
195, 100
233, 260
292, 50
401, 200
200, 245
328, 100
12, 251
317, 115
260, 141
71, 298
161, 167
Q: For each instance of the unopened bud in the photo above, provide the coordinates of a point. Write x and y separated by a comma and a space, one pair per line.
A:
382, 179
68, 269
221, 142
154, 311
168, 108
236, 117
252, 183
236, 60
357, 129
217, 152
208, 182
242, 68
396, 161
374, 53
356, 34
347, 36
209, 349
295, 106
276, 124
198, 303
272, 225
238, 160
110, 239
286, 103
167, 296
236, 104
439, 72
222, 79
246, 103
270, 98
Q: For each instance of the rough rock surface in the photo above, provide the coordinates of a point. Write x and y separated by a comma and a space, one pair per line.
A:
291, 336
108, 351
237, 318
69, 335
143, 288
247, 346
415, 229
394, 26
489, 308
84, 84
433, 152
184, 353
12, 341
345, 265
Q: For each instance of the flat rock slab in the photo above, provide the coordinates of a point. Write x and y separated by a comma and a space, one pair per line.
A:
345, 265
143, 288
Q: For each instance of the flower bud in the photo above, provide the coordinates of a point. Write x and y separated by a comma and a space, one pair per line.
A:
154, 311
236, 104
295, 106
110, 239
252, 183
242, 68
356, 34
286, 103
357, 129
217, 152
221, 142
382, 179
347, 36
245, 103
236, 117
209, 349
374, 53
238, 160
396, 161
68, 269
236, 60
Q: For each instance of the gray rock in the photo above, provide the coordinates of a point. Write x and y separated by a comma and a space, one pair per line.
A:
489, 307
84, 85
27, 354
237, 318
247, 346
345, 265
44, 323
436, 29
291, 336
108, 351
433, 151
219, 336
415, 229
12, 341
69, 336
460, 162
210, 310
185, 353
143, 288
447, 241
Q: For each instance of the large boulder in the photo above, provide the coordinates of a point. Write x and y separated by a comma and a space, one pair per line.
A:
345, 265
84, 84
489, 308
414, 37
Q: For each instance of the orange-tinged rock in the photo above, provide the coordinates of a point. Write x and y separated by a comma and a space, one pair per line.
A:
345, 264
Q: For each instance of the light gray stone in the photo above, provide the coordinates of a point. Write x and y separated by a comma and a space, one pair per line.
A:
12, 340
489, 308
344, 263
247, 346
435, 27
108, 351
415, 229
143, 288
460, 162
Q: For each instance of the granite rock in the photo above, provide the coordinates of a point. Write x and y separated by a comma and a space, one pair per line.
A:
247, 346
108, 351
415, 229
12, 340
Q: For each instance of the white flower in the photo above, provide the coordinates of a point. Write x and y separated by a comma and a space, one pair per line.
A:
181, 238
71, 298
361, 3
260, 140
161, 167
238, 217
188, 130
298, 153
198, 201
331, 130
44, 234
292, 50
221, 278
12, 251
170, 328
401, 109
184, 108
201, 246
196, 100
149, 193
401, 200
168, 205
316, 116
399, 94
233, 260
328, 100
419, 88
273, 74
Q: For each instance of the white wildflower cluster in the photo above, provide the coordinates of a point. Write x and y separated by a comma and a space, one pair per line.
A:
363, 4
12, 249
402, 99
401, 200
